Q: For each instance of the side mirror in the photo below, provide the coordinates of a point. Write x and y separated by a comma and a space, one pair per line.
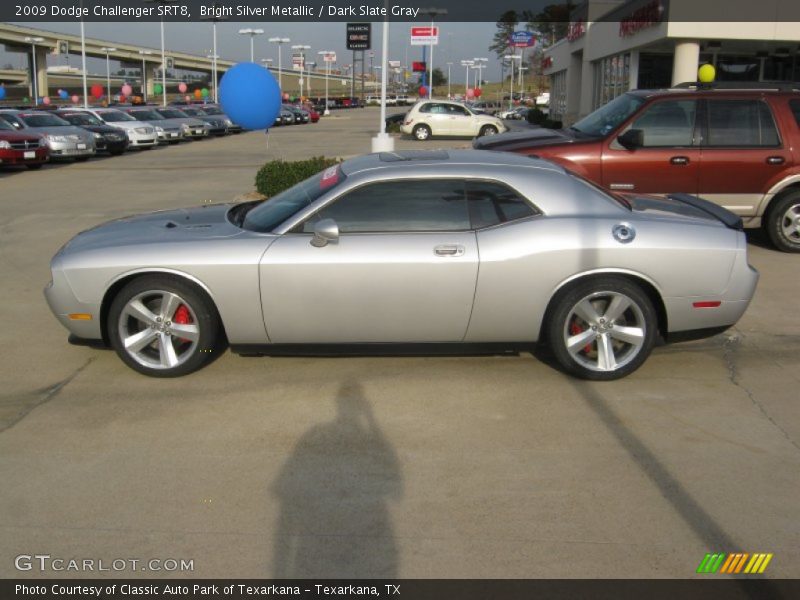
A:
631, 139
326, 232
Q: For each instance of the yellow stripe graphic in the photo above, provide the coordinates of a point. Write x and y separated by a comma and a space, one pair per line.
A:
764, 564
753, 564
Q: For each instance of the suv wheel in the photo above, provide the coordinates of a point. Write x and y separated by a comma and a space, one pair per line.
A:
602, 328
422, 132
783, 222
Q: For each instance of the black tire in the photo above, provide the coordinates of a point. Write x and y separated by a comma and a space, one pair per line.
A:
421, 133
488, 130
585, 360
34, 167
783, 222
199, 314
116, 152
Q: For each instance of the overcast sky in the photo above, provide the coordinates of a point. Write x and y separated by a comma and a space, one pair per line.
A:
457, 41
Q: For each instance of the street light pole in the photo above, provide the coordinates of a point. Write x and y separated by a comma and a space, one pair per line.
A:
448, 79
214, 72
327, 57
280, 41
302, 48
433, 12
108, 51
163, 51
252, 33
83, 63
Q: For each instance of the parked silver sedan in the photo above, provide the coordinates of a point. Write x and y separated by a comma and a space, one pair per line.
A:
191, 127
425, 250
64, 139
168, 131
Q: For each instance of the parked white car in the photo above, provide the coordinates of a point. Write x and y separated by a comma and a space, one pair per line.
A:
428, 118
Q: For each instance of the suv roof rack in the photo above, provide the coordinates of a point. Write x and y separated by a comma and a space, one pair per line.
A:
779, 86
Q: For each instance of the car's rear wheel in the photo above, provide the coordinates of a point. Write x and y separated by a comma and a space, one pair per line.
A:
488, 130
422, 132
602, 329
783, 222
163, 327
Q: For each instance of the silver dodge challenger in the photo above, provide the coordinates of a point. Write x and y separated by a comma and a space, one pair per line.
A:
410, 251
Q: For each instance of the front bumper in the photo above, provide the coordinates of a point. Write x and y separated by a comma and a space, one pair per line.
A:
71, 149
63, 302
168, 137
24, 157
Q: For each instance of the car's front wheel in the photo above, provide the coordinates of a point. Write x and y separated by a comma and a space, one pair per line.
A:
602, 328
783, 222
488, 130
163, 327
422, 132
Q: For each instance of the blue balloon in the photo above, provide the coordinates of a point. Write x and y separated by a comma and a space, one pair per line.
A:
250, 96
64, 94
2, 92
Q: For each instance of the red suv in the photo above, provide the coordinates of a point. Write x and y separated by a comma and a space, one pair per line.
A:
16, 148
738, 147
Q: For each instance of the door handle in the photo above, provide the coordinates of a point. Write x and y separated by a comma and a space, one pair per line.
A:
449, 250
679, 160
775, 160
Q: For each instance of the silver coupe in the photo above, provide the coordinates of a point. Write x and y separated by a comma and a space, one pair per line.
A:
423, 251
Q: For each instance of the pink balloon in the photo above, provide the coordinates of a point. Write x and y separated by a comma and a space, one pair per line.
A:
285, 95
46, 100
76, 99
127, 90
182, 88
470, 93
188, 98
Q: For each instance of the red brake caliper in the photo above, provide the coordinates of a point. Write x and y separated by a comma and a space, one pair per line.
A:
575, 329
182, 316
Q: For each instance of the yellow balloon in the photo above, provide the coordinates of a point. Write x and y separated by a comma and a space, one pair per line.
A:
706, 73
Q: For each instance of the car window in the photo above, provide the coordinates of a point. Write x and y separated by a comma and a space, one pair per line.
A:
399, 206
274, 211
168, 113
426, 108
12, 120
82, 119
454, 109
609, 116
210, 110
492, 203
738, 123
115, 116
668, 123
44, 121
5, 126
794, 105
145, 115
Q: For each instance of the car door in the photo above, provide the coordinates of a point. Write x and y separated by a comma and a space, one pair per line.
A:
667, 162
435, 115
741, 154
404, 268
461, 122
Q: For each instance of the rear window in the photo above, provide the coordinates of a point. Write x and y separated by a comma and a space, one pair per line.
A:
492, 203
740, 123
794, 105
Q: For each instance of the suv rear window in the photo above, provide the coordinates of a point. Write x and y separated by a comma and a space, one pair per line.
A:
740, 123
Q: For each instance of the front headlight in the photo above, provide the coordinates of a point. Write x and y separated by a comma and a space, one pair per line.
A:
141, 130
185, 127
159, 129
4, 145
228, 122
97, 136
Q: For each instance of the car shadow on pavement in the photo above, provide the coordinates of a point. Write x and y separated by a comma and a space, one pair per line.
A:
333, 492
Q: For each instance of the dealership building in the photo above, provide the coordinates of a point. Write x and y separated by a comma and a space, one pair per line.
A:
613, 46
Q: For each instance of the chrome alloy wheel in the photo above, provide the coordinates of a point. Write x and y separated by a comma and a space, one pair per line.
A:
604, 331
790, 223
159, 329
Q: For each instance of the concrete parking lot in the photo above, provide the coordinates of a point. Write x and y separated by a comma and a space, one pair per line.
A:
480, 467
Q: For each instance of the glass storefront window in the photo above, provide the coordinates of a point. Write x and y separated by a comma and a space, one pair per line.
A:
611, 78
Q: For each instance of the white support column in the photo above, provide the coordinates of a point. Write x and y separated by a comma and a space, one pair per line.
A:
633, 71
687, 61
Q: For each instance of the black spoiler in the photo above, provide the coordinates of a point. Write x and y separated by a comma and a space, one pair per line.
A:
728, 218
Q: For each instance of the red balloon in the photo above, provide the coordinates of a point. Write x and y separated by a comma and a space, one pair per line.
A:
423, 91
97, 91
182, 88
478, 92
46, 100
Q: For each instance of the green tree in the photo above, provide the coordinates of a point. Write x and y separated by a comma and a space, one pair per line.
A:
505, 27
551, 22
439, 78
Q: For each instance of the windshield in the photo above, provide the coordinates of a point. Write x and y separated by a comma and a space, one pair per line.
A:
210, 110
146, 115
43, 121
5, 126
193, 112
82, 119
608, 117
12, 120
274, 211
171, 113
115, 116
